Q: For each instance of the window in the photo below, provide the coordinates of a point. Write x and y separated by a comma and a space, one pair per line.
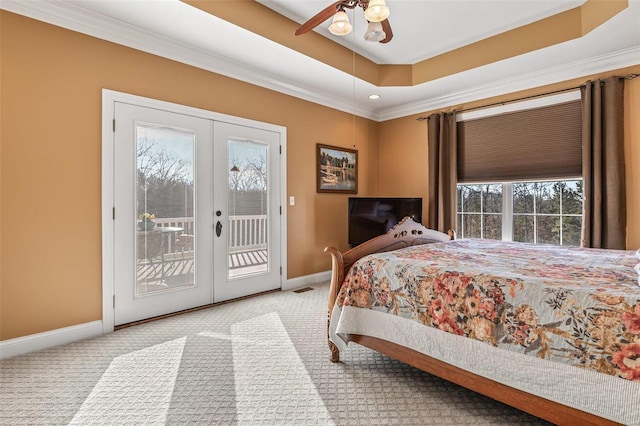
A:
518, 171
547, 212
480, 211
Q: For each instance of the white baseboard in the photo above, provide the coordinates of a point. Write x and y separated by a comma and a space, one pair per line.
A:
305, 280
48, 339
61, 336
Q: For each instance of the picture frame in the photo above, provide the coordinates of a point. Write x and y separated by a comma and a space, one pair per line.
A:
336, 169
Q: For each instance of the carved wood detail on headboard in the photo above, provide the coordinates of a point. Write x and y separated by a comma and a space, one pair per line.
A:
404, 232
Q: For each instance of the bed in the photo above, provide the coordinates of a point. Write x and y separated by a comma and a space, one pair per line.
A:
552, 331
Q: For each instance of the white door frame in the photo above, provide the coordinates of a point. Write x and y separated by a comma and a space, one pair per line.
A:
109, 98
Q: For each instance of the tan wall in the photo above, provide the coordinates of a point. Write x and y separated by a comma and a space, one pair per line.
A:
51, 82
403, 152
403, 147
50, 159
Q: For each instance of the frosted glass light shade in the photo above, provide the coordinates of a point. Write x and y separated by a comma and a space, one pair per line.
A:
340, 24
377, 11
374, 32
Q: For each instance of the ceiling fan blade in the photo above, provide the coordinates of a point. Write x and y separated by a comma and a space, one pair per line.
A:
386, 27
319, 18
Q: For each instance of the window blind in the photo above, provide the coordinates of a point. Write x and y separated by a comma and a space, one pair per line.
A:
538, 143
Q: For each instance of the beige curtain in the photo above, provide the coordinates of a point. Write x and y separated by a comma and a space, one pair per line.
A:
442, 141
604, 218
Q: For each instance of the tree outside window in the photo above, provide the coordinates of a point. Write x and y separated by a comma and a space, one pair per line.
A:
539, 212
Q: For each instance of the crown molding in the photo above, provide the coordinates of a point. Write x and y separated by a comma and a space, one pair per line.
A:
615, 60
72, 17
77, 19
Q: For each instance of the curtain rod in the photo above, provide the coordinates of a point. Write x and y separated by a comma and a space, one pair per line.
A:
626, 77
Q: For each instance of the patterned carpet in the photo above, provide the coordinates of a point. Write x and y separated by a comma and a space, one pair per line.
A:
259, 361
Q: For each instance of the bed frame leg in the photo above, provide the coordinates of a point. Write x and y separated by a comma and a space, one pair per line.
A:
335, 352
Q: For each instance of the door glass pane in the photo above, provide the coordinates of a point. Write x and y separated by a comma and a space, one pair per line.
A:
164, 209
248, 208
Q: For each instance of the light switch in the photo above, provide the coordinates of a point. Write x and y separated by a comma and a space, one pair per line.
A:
292, 200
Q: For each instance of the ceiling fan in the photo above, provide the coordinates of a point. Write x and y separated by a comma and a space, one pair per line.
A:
375, 11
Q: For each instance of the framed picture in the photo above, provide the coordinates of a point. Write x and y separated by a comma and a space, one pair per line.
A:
337, 169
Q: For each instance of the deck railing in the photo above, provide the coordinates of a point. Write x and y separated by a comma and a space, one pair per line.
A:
245, 232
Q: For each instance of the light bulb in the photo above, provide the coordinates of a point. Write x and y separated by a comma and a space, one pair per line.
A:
374, 32
340, 24
377, 11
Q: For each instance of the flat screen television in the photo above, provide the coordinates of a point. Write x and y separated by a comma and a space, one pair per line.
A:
373, 216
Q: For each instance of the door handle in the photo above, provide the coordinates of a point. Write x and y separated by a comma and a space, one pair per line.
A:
218, 228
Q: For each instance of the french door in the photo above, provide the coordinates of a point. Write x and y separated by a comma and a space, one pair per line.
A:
247, 211
196, 211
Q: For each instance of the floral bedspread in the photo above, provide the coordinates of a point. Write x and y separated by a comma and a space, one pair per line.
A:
572, 305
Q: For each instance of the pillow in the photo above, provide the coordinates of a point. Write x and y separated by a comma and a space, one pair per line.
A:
637, 268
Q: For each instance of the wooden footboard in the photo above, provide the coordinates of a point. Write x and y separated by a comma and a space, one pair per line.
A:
540, 407
408, 233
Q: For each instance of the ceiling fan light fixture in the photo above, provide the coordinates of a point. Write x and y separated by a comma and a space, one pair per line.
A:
374, 32
340, 24
377, 11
